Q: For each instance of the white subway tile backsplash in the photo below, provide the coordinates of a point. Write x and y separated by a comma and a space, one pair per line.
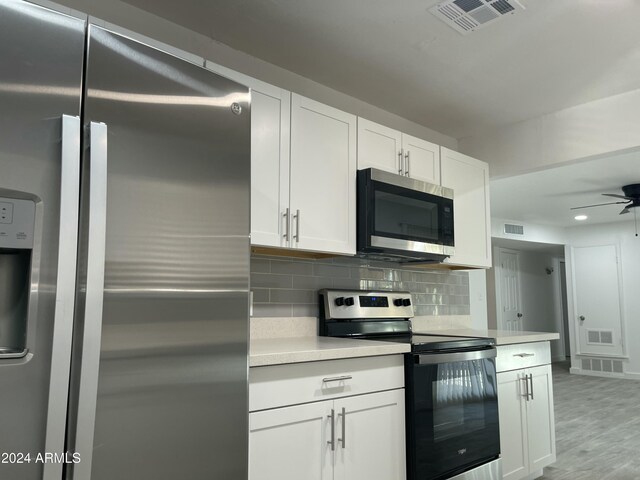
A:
289, 287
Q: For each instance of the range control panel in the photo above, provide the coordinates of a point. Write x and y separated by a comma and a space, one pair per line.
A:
17, 219
354, 304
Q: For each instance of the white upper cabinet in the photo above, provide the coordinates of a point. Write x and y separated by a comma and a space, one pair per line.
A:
379, 147
396, 152
270, 124
322, 177
469, 179
421, 159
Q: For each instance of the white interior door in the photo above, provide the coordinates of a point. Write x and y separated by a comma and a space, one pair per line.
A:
597, 287
510, 302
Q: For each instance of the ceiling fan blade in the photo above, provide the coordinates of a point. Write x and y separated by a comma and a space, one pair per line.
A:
599, 205
616, 196
625, 210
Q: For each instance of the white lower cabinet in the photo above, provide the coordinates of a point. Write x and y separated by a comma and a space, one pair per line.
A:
527, 426
355, 437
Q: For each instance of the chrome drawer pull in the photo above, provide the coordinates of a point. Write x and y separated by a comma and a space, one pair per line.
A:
337, 379
524, 355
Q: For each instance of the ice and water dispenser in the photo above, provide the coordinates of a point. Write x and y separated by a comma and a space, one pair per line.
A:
17, 218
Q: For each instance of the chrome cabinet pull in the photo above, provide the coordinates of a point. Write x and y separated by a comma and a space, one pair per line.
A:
286, 216
407, 164
531, 381
400, 162
332, 442
337, 379
524, 355
297, 218
526, 387
344, 428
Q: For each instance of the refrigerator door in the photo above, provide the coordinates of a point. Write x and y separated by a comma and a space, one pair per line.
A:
41, 62
172, 142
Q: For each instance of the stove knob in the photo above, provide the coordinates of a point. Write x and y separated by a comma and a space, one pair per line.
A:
349, 301
397, 302
339, 301
406, 302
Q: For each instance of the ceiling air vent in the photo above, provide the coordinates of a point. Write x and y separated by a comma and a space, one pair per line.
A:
466, 16
512, 229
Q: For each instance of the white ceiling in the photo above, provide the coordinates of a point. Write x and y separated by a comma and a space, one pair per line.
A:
398, 56
546, 197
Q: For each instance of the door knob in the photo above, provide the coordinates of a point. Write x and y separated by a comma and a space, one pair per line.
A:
581, 318
519, 315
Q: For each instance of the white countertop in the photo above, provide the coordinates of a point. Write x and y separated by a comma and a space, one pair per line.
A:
503, 337
276, 351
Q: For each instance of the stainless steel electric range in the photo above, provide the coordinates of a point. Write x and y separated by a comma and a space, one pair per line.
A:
450, 385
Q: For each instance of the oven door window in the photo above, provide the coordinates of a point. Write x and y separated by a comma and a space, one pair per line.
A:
455, 417
406, 214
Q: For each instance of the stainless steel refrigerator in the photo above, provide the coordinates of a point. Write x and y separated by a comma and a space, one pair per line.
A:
124, 257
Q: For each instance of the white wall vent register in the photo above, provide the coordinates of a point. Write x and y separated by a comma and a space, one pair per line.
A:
513, 229
604, 365
466, 16
600, 337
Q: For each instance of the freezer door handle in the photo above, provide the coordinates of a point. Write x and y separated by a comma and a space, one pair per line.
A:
65, 292
89, 364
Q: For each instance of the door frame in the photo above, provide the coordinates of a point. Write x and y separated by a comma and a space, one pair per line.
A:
558, 264
572, 300
499, 276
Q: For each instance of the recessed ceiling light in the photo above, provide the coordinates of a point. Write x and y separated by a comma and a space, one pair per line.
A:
580, 218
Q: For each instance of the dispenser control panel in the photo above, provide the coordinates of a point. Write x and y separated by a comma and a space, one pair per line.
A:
17, 219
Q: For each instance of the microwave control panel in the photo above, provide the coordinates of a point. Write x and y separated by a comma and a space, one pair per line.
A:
17, 220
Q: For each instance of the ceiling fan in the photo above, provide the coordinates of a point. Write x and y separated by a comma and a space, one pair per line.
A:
631, 199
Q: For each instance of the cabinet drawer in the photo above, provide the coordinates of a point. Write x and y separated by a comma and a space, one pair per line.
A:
280, 385
522, 355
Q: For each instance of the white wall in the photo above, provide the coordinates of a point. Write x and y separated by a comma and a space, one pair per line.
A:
590, 129
622, 234
152, 26
532, 232
478, 299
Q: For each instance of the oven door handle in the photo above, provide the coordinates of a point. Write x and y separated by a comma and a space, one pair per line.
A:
435, 358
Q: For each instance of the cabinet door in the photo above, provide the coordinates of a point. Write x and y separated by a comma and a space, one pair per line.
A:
270, 121
291, 443
422, 159
270, 128
323, 177
379, 147
469, 179
513, 424
371, 437
540, 419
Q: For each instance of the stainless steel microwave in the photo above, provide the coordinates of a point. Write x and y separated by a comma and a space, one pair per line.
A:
403, 219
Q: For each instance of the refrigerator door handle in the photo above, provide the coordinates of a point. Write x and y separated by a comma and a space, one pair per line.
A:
65, 293
90, 362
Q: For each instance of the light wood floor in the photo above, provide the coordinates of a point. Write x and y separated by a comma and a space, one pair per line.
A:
597, 427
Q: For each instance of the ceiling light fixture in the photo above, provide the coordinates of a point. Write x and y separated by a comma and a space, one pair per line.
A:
580, 218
